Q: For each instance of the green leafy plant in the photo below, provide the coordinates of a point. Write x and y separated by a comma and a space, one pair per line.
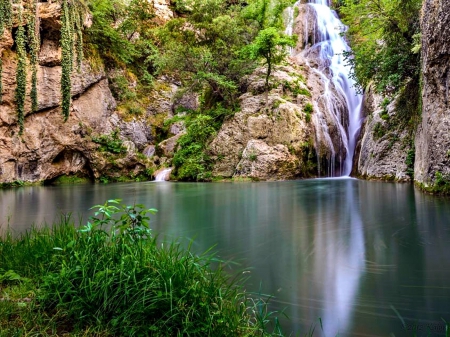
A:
308, 110
253, 156
378, 131
269, 45
192, 161
67, 58
410, 160
34, 44
110, 143
21, 73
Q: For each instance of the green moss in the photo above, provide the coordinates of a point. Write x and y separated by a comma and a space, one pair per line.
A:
70, 180
378, 131
308, 110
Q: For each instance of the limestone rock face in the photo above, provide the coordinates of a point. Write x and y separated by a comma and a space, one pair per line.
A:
268, 136
6, 40
433, 136
50, 53
162, 9
168, 146
261, 161
382, 150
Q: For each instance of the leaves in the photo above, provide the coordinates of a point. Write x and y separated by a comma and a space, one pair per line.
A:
384, 36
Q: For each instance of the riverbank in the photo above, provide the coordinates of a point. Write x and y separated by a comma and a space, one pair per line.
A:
113, 277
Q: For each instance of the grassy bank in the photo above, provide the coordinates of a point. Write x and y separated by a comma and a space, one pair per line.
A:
113, 277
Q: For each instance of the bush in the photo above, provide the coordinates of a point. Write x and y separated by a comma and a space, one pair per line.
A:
192, 161
110, 143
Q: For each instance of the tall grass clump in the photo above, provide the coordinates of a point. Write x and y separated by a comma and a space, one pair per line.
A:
113, 277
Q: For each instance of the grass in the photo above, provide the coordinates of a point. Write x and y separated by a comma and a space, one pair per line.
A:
113, 277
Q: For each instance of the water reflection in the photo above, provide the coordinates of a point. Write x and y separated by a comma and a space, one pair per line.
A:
346, 251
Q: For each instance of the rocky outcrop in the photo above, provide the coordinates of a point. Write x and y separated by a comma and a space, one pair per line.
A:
50, 147
384, 144
433, 136
269, 138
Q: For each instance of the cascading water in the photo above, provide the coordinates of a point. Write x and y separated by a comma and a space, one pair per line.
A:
327, 46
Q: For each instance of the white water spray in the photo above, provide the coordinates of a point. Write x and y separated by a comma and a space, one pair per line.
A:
330, 45
163, 175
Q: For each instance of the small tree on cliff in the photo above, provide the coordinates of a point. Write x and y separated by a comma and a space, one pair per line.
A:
270, 45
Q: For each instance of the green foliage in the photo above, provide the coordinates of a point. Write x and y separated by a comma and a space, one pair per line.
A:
5, 22
384, 112
308, 110
113, 277
67, 58
384, 36
441, 183
378, 131
295, 88
33, 44
5, 15
192, 161
110, 143
270, 45
122, 33
410, 160
21, 73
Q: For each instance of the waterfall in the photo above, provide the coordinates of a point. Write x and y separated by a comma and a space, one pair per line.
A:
327, 48
163, 175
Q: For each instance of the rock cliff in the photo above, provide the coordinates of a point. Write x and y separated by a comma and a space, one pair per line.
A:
49, 147
271, 137
432, 166
385, 141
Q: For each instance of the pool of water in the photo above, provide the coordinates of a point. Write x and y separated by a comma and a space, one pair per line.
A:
366, 258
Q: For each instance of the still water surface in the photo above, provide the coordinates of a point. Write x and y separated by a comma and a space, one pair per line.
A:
359, 255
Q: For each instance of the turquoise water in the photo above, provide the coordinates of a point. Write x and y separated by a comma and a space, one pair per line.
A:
364, 257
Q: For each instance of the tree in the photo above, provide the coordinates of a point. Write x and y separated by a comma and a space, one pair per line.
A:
384, 36
270, 45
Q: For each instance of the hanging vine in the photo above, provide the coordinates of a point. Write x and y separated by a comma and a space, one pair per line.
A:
78, 26
67, 58
33, 42
5, 22
21, 74
5, 15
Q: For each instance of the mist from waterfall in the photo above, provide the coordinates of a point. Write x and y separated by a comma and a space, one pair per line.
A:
330, 45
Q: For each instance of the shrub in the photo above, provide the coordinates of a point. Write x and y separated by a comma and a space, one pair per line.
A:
110, 143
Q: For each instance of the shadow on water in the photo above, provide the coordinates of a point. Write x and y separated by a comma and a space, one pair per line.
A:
362, 256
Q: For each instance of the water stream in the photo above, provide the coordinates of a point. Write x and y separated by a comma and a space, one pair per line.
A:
163, 175
343, 103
